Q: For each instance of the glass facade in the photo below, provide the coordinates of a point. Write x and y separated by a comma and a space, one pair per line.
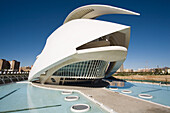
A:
85, 69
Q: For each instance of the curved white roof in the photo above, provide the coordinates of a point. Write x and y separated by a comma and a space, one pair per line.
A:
93, 11
63, 42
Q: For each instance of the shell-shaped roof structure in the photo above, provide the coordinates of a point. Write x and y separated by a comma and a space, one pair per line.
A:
81, 40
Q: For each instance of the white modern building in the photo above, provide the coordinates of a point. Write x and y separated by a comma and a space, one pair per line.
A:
83, 49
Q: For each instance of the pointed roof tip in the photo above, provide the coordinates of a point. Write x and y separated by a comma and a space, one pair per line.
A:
138, 14
134, 13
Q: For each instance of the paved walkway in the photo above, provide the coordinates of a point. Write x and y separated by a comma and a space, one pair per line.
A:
118, 102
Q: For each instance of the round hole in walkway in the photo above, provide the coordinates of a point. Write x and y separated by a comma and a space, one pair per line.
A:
126, 91
147, 96
71, 98
66, 92
80, 108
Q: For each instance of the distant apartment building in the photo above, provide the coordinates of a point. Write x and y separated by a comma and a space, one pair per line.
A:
4, 65
9, 65
25, 69
128, 70
168, 71
145, 70
14, 65
165, 70
121, 69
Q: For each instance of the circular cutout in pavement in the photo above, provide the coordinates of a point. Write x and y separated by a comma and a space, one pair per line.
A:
80, 108
71, 98
126, 91
66, 92
147, 96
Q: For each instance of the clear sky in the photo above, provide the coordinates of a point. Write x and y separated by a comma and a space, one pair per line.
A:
26, 24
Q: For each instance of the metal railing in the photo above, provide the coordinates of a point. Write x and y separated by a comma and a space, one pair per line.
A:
8, 77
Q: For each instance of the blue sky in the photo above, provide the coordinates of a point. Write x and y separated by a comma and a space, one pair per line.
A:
26, 24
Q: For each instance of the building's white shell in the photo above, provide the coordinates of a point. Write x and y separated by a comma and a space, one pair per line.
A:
61, 46
93, 11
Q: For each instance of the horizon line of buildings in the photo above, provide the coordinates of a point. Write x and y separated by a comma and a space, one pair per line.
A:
153, 70
13, 66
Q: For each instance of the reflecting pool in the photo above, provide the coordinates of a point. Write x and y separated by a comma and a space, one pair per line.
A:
25, 98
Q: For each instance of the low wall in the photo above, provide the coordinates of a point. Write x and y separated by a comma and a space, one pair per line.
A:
165, 79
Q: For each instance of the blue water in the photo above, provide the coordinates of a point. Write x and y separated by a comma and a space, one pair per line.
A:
161, 94
24, 98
